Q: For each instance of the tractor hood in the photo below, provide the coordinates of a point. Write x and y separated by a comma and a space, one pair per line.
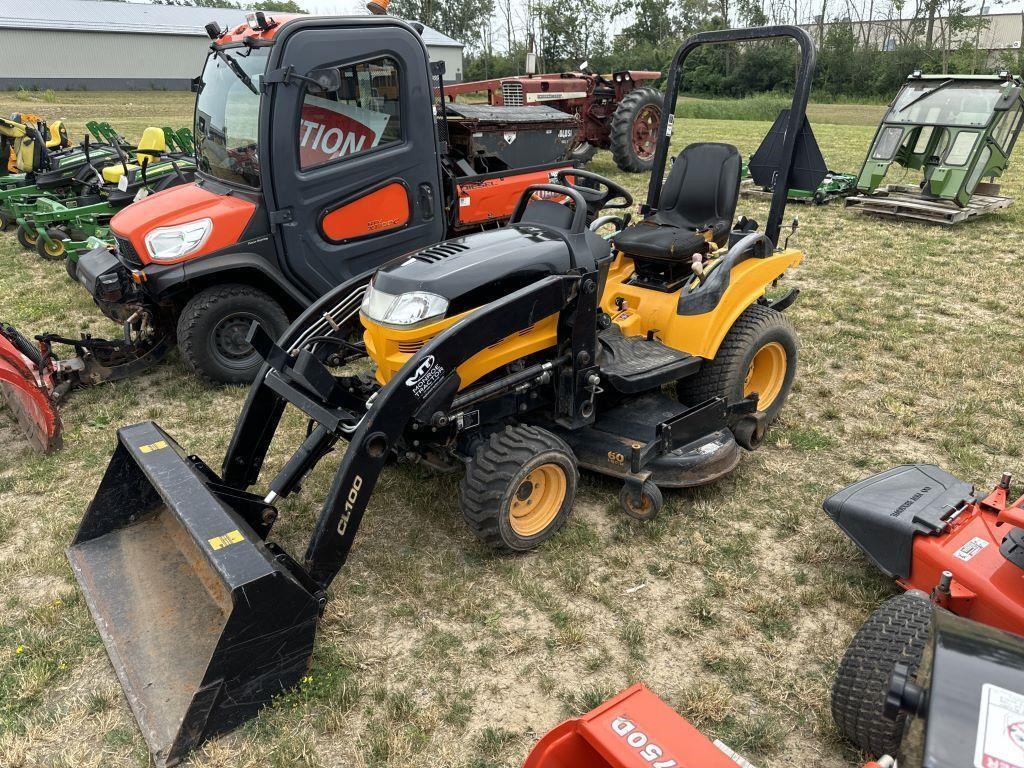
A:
184, 204
474, 270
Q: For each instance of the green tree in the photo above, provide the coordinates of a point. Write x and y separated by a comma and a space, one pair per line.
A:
573, 31
459, 19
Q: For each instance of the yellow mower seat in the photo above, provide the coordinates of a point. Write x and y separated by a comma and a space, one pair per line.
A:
151, 146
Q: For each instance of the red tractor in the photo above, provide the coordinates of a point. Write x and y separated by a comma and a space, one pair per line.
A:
619, 111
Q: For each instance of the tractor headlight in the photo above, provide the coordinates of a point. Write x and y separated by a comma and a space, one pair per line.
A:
171, 243
406, 309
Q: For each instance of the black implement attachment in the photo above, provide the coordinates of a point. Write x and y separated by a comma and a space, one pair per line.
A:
202, 620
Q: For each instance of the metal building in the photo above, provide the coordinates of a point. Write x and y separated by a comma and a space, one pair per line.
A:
97, 45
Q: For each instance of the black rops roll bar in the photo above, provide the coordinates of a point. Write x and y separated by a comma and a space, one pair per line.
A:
797, 112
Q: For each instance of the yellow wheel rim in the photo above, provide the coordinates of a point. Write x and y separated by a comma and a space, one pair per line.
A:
536, 501
766, 374
56, 249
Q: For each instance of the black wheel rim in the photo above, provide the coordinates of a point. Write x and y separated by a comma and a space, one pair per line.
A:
228, 341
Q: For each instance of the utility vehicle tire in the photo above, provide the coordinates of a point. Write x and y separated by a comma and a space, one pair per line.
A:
582, 152
212, 330
6, 221
895, 633
518, 488
55, 253
758, 354
636, 125
28, 242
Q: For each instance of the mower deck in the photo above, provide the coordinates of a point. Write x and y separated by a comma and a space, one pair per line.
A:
906, 202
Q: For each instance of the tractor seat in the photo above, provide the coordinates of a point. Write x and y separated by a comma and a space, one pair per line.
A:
152, 145
700, 194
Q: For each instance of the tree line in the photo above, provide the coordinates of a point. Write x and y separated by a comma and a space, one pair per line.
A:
864, 51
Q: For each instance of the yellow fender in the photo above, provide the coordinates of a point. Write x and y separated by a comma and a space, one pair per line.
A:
648, 311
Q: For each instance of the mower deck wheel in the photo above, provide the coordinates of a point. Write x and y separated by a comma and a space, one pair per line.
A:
57, 251
758, 354
28, 241
71, 267
519, 488
6, 221
647, 506
895, 633
213, 326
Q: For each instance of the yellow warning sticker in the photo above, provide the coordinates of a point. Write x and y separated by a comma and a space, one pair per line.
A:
158, 445
229, 538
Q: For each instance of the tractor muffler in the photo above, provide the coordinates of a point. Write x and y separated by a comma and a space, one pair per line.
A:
203, 621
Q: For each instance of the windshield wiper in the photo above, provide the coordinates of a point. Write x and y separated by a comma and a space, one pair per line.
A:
235, 67
916, 99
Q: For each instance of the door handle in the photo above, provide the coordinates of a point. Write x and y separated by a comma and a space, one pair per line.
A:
427, 204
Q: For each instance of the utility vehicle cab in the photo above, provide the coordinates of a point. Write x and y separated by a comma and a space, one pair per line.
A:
318, 160
955, 129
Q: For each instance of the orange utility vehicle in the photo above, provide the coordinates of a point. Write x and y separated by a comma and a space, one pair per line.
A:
319, 159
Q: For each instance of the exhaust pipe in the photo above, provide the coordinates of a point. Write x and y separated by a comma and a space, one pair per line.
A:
203, 621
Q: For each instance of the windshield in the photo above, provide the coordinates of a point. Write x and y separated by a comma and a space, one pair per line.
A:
227, 115
942, 102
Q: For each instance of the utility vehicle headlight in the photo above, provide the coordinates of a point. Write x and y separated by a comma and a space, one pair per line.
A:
406, 309
170, 243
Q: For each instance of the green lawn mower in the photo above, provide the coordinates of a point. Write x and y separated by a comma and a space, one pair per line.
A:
55, 227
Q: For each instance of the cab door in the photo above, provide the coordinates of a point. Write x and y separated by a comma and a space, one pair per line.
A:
353, 177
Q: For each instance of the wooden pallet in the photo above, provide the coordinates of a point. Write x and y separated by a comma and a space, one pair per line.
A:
907, 203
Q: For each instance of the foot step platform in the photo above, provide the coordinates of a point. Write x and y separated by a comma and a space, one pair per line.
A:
633, 364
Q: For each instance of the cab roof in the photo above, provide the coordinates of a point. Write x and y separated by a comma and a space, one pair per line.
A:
244, 31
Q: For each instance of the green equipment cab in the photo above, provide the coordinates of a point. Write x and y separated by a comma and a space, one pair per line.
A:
956, 130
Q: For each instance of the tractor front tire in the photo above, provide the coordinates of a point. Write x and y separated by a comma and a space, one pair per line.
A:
758, 354
895, 633
582, 152
635, 128
57, 251
213, 326
518, 488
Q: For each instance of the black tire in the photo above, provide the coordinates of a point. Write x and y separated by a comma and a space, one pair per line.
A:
58, 252
647, 507
71, 267
28, 242
757, 328
620, 138
582, 152
6, 221
212, 328
895, 633
819, 197
497, 477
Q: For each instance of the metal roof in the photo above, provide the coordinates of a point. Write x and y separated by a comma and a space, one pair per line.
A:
138, 18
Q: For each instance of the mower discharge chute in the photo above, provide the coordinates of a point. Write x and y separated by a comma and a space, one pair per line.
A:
515, 355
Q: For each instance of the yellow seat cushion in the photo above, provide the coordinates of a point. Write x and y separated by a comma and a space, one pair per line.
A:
113, 173
152, 143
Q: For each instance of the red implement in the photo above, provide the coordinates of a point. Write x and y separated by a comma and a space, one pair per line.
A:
26, 384
634, 729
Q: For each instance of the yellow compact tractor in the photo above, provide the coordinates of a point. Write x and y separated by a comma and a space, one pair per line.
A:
513, 356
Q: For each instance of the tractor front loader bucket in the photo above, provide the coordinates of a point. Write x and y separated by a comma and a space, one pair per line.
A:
203, 621
26, 384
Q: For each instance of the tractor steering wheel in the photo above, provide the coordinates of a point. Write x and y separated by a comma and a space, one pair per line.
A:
597, 197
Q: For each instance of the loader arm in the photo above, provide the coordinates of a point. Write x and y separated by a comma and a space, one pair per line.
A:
427, 384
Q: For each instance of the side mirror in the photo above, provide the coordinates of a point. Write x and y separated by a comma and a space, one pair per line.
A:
196, 85
326, 80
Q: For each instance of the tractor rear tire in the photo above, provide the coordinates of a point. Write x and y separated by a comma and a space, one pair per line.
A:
635, 128
757, 354
212, 328
518, 488
55, 253
895, 633
28, 242
582, 152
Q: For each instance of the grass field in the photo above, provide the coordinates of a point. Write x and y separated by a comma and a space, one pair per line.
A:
735, 605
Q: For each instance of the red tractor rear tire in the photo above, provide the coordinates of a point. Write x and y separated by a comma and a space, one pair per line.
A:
635, 128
